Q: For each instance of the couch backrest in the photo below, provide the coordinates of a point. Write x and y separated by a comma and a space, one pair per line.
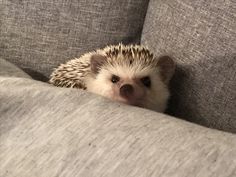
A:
201, 36
39, 35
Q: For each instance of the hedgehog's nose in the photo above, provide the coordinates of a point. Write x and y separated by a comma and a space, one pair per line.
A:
126, 90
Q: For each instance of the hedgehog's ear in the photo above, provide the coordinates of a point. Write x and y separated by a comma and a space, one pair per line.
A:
96, 62
167, 68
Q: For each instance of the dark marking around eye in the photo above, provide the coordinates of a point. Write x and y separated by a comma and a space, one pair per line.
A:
146, 81
115, 79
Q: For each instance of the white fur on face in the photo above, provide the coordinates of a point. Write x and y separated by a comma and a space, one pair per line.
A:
155, 97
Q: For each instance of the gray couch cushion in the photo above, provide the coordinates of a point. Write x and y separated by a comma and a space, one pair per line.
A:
8, 69
49, 131
38, 35
201, 36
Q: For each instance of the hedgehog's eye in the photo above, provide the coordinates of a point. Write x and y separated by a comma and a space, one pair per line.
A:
115, 79
146, 81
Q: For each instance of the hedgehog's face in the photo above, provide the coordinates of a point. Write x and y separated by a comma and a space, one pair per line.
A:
132, 84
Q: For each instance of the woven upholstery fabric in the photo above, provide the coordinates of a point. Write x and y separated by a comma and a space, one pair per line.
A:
39, 35
201, 37
7, 69
48, 131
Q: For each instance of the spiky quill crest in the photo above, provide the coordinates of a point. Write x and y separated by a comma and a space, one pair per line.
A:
128, 54
72, 73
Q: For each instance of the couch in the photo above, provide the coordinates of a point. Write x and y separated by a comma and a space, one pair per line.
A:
49, 131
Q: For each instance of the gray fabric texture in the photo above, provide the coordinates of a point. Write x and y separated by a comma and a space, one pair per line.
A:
201, 37
48, 131
8, 69
39, 35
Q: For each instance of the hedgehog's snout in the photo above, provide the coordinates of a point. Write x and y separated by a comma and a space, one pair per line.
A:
131, 93
126, 90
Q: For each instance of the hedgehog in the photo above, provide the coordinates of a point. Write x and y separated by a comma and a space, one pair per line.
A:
128, 74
